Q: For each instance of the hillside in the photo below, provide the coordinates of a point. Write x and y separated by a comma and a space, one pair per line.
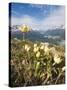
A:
36, 63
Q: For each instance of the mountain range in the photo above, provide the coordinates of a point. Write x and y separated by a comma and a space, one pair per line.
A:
53, 36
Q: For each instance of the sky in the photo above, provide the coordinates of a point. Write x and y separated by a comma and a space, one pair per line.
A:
37, 16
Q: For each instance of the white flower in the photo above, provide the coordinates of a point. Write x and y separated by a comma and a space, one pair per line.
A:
46, 50
53, 50
27, 47
42, 43
42, 47
63, 69
46, 44
57, 59
35, 45
36, 49
38, 54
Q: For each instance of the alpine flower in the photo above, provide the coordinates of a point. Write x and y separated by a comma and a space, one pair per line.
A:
27, 47
38, 54
46, 49
35, 49
35, 45
42, 47
57, 59
63, 68
24, 28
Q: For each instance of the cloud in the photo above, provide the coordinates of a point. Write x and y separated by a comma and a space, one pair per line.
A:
14, 13
40, 6
55, 19
28, 20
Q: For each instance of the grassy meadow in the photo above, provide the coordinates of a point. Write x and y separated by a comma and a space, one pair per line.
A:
36, 63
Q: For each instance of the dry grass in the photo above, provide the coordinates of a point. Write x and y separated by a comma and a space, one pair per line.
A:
29, 69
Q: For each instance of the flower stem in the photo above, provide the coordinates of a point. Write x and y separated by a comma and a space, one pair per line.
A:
23, 36
58, 77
